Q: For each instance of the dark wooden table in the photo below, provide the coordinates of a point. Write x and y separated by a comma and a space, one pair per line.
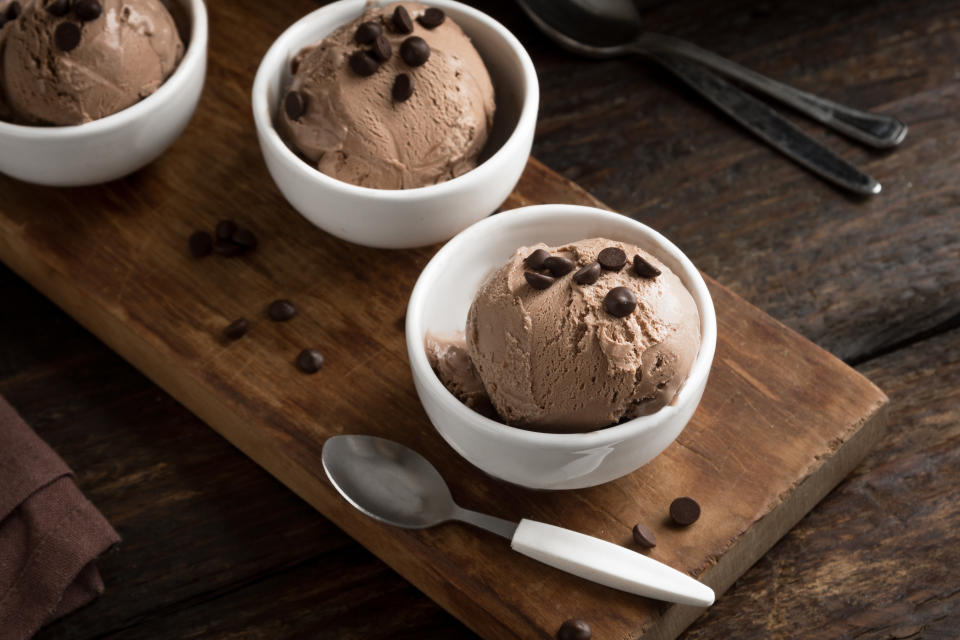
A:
213, 546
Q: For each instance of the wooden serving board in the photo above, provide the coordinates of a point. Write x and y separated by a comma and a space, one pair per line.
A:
780, 424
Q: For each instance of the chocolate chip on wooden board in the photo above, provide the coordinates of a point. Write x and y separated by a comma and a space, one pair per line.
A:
310, 361
227, 248
643, 536
236, 329
574, 629
281, 310
245, 238
225, 229
684, 511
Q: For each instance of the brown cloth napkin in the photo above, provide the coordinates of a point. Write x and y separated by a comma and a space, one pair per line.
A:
50, 534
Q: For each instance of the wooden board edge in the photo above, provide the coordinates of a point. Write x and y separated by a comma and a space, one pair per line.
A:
766, 532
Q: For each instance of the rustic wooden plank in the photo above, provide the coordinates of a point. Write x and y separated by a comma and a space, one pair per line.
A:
877, 558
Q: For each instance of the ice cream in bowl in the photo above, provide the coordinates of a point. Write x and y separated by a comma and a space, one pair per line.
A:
395, 124
92, 90
560, 346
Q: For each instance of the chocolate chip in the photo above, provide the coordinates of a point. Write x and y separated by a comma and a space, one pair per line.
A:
236, 329
66, 36
59, 8
13, 11
281, 310
201, 244
574, 629
244, 238
558, 266
381, 49
87, 10
538, 281
402, 87
588, 274
367, 32
612, 259
295, 104
620, 302
363, 63
225, 229
643, 268
415, 51
684, 511
401, 20
431, 18
643, 536
310, 361
227, 248
535, 259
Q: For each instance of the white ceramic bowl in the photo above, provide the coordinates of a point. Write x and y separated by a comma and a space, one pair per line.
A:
118, 144
439, 304
403, 218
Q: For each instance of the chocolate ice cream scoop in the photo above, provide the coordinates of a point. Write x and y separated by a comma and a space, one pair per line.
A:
583, 353
390, 100
97, 57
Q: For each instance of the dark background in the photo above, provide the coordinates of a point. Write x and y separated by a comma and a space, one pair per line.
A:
213, 546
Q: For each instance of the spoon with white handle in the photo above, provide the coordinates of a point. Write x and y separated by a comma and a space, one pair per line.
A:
396, 485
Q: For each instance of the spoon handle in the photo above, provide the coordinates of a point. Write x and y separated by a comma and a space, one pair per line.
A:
769, 125
608, 564
877, 130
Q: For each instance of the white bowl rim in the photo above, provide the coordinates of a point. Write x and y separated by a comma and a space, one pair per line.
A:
608, 436
276, 56
171, 87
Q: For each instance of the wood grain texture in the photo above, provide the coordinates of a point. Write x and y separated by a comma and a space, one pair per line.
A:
872, 279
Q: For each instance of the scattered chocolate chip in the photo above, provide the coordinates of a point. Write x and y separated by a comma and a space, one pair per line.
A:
415, 51
236, 329
558, 266
381, 49
588, 274
244, 238
620, 302
643, 536
310, 361
225, 229
402, 87
363, 63
367, 32
281, 310
684, 511
66, 36
538, 281
535, 259
574, 629
401, 20
643, 268
201, 244
431, 18
612, 259
59, 8
13, 10
227, 247
295, 104
87, 10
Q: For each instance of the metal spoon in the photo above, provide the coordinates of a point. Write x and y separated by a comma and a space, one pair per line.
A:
394, 484
608, 28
